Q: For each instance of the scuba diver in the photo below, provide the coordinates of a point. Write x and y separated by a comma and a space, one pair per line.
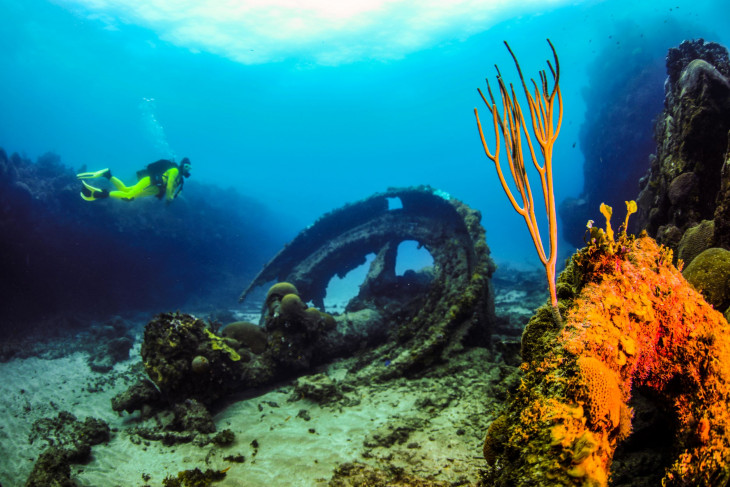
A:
162, 179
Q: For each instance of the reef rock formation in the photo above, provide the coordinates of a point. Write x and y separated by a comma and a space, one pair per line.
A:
408, 321
186, 360
631, 321
687, 184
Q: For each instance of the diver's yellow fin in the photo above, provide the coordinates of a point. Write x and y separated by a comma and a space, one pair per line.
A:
90, 193
104, 173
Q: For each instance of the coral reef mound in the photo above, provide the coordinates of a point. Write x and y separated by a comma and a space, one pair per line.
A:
631, 321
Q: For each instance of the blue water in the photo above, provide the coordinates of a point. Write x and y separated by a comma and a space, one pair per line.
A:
308, 109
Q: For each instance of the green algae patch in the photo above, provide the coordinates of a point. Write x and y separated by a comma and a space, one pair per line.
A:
217, 343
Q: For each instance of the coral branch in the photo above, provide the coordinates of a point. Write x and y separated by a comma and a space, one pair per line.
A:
510, 127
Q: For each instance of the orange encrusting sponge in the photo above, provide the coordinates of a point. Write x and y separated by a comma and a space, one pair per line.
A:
635, 321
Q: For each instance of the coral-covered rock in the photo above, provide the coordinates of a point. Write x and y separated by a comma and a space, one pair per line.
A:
194, 477
52, 468
634, 322
174, 342
678, 59
687, 183
143, 395
107, 343
709, 272
191, 415
67, 432
696, 240
69, 441
319, 388
352, 474
670, 236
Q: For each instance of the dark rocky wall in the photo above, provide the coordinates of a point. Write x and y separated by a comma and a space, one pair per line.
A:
686, 183
60, 255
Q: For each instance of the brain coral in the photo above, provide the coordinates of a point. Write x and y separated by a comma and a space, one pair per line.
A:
695, 240
710, 273
281, 289
292, 306
633, 321
247, 334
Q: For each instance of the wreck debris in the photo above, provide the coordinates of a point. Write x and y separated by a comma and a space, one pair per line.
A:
425, 315
413, 320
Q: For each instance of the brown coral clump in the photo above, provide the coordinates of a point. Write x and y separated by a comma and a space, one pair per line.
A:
200, 365
275, 294
247, 335
635, 322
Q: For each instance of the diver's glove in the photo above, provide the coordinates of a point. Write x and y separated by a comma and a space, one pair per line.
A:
90, 193
104, 173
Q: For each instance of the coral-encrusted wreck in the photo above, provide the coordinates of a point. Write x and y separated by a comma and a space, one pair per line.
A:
406, 322
422, 314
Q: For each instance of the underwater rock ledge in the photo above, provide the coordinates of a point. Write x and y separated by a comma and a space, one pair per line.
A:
631, 320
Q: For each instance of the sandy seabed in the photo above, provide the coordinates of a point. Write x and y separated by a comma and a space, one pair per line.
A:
431, 426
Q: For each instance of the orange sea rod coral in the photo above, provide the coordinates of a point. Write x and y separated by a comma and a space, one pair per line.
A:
511, 126
634, 321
